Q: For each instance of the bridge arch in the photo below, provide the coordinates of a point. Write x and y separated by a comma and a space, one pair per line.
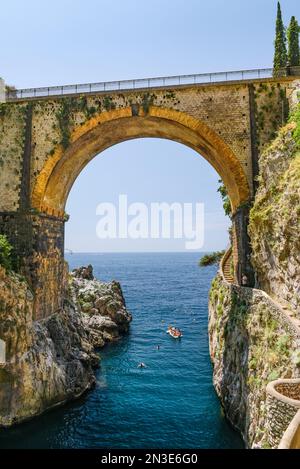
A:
55, 180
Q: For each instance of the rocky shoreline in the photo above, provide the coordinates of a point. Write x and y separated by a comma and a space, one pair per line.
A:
52, 361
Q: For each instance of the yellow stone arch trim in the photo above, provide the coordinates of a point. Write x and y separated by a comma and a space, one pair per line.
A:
45, 173
101, 118
226, 163
206, 132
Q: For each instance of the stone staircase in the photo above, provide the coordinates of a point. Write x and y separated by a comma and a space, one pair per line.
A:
226, 266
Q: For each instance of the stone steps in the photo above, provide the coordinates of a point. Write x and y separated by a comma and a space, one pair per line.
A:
227, 270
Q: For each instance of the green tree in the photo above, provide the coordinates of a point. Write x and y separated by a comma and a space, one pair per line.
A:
280, 55
293, 43
226, 201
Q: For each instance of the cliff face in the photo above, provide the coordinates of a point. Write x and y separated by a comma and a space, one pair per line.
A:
51, 361
251, 344
275, 218
253, 339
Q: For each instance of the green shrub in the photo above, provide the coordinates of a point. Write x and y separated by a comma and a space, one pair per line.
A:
266, 445
219, 310
295, 117
282, 344
210, 259
108, 103
253, 363
225, 198
273, 375
5, 253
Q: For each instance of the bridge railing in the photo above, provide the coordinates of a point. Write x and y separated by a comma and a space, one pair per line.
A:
13, 94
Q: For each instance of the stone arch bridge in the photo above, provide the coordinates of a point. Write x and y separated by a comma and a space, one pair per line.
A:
48, 135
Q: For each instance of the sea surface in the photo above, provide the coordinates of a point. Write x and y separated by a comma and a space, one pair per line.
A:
169, 404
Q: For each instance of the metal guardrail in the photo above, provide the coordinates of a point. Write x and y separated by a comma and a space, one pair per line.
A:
147, 83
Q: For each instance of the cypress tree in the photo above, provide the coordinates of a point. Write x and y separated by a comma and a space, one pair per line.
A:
280, 56
293, 43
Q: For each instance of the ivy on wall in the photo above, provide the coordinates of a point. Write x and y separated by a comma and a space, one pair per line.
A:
70, 105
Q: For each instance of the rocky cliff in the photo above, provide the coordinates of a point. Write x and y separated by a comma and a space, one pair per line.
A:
51, 361
275, 217
252, 343
254, 333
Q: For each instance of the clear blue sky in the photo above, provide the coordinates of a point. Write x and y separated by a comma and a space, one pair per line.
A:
74, 41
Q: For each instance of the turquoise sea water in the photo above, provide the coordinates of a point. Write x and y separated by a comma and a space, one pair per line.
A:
169, 404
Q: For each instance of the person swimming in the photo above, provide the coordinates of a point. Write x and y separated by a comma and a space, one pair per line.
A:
142, 365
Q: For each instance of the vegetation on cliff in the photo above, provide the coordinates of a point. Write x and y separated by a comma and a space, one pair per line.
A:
275, 215
295, 119
5, 253
225, 198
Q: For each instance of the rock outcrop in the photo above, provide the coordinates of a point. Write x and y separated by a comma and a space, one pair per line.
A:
102, 306
51, 361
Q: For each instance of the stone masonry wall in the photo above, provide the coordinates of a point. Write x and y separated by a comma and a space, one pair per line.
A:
12, 139
283, 402
38, 242
280, 414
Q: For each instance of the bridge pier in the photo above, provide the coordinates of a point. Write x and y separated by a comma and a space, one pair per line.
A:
38, 242
242, 247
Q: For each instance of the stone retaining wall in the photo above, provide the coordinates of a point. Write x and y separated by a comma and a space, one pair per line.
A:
283, 403
291, 437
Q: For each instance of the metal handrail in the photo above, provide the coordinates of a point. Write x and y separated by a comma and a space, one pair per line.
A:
148, 83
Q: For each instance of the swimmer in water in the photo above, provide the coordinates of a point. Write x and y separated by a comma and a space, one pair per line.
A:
158, 347
141, 365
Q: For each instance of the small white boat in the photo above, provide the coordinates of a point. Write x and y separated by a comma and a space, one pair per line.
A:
174, 332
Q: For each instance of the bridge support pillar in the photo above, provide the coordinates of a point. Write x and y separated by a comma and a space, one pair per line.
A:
38, 242
242, 247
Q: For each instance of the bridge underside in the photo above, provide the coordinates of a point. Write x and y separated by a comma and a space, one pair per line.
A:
61, 170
